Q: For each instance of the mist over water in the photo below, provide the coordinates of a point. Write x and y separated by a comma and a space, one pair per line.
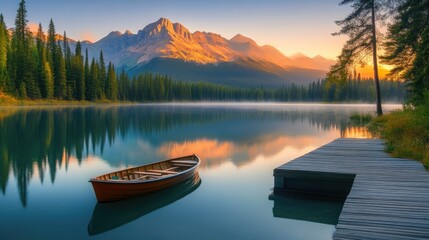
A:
47, 156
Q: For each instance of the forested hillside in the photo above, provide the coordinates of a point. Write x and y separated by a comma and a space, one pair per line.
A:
39, 66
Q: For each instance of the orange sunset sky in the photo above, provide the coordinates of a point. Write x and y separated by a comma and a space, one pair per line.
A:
291, 26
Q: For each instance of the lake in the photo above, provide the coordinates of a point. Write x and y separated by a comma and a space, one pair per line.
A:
48, 154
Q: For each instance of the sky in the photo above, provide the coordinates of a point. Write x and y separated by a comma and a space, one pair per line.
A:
291, 26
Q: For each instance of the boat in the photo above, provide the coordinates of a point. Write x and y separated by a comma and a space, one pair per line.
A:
111, 215
143, 179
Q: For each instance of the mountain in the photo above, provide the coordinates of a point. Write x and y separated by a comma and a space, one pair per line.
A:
170, 48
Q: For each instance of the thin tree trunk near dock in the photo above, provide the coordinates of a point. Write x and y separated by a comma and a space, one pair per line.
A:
375, 63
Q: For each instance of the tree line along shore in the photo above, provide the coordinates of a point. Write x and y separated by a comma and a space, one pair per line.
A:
39, 68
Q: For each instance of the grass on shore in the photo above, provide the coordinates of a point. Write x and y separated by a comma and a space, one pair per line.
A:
361, 119
7, 100
406, 132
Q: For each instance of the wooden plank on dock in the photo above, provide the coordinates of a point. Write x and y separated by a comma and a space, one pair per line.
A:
388, 199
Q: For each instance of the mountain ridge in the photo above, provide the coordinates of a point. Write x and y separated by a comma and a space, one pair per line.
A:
164, 39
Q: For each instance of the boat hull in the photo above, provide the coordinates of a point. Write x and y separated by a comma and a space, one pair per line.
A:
107, 216
114, 191
143, 179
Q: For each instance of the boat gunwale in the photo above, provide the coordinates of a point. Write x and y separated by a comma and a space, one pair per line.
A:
95, 180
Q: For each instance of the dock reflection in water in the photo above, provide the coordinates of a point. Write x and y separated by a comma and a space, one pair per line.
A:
108, 216
47, 155
307, 208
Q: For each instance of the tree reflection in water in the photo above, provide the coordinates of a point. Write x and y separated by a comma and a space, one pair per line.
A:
37, 139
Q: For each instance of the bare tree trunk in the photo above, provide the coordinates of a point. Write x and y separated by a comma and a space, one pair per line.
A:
375, 63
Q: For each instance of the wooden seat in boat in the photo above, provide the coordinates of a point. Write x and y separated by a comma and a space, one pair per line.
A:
162, 171
148, 173
144, 179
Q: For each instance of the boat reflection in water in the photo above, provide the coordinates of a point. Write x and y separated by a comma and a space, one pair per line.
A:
107, 216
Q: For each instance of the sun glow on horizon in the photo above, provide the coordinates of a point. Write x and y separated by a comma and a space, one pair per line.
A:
215, 153
88, 36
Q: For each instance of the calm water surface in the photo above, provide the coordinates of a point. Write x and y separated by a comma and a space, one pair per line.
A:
47, 156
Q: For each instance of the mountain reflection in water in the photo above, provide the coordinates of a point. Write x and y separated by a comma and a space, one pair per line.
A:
40, 140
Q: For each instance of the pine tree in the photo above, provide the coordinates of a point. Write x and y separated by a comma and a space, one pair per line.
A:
111, 85
102, 78
407, 46
44, 75
4, 46
93, 80
70, 80
52, 44
57, 63
360, 27
123, 86
40, 45
18, 51
60, 86
78, 72
49, 81
41, 59
87, 75
32, 88
21, 69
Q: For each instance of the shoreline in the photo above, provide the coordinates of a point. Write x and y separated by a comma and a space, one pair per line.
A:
29, 103
47, 103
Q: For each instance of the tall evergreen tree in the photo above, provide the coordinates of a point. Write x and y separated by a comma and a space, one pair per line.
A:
60, 86
360, 27
407, 46
66, 47
93, 81
102, 78
44, 75
57, 63
48, 81
56, 59
78, 72
87, 75
18, 51
123, 86
4, 46
111, 84
32, 87
21, 68
40, 45
52, 42
71, 81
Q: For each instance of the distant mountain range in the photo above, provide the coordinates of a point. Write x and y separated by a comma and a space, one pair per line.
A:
170, 48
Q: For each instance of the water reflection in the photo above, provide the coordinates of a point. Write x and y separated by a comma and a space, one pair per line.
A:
107, 216
41, 140
307, 208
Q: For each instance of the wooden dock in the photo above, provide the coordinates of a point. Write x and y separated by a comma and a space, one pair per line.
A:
387, 198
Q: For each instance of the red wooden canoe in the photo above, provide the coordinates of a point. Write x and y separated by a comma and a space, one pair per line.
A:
144, 179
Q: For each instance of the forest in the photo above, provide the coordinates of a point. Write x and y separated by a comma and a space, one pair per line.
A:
151, 88
405, 45
38, 66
